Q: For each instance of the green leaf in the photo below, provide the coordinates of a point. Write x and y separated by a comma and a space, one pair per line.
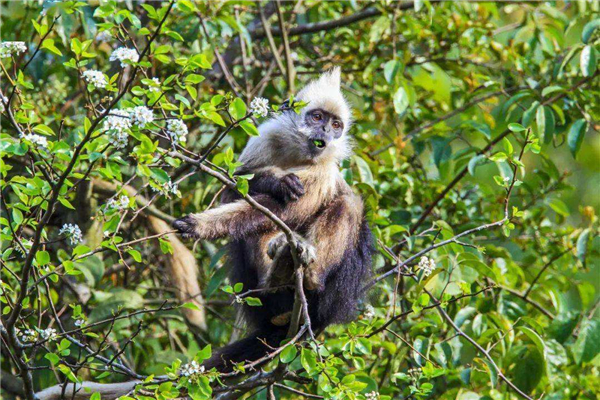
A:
48, 44
288, 354
401, 102
249, 127
42, 257
589, 29
514, 127
582, 245
53, 358
253, 301
576, 135
587, 346
44, 130
545, 123
587, 61
558, 206
308, 359
237, 109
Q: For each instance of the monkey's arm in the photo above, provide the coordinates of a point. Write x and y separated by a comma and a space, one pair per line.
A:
237, 219
334, 231
285, 189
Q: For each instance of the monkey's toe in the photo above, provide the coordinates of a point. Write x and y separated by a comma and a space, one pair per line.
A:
306, 252
185, 226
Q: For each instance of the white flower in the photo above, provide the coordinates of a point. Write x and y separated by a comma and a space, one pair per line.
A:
369, 312
191, 369
427, 265
141, 116
3, 99
154, 87
38, 140
177, 130
96, 78
9, 48
73, 232
48, 334
259, 107
120, 204
29, 335
123, 54
25, 243
117, 125
506, 179
372, 396
79, 322
103, 36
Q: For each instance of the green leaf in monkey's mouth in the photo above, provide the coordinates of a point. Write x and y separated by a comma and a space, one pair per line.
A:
319, 143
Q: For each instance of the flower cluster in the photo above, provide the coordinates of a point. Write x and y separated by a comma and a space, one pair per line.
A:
48, 334
124, 54
25, 243
369, 312
427, 265
7, 49
141, 116
191, 369
120, 204
116, 125
155, 87
73, 232
259, 107
103, 36
96, 78
372, 395
169, 188
177, 130
29, 335
38, 140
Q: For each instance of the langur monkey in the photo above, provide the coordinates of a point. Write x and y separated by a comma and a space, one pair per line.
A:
296, 165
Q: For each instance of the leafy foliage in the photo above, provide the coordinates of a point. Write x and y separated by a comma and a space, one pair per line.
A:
476, 153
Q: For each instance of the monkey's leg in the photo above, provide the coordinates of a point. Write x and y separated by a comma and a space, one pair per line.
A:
237, 219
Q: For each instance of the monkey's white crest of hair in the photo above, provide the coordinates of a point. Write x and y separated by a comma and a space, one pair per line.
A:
325, 93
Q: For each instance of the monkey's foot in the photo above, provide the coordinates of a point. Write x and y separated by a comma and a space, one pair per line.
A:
279, 245
291, 187
186, 226
282, 319
312, 281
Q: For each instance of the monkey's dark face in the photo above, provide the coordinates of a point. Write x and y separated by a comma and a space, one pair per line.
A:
323, 128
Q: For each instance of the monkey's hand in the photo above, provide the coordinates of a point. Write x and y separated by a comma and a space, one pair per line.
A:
291, 189
279, 245
186, 227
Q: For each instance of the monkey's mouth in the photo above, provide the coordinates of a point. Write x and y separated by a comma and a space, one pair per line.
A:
319, 144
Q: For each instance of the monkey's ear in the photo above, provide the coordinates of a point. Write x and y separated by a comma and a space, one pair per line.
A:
332, 77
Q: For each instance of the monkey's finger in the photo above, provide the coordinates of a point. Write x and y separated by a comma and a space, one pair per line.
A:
185, 226
294, 184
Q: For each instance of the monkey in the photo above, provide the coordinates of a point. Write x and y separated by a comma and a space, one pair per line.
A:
296, 165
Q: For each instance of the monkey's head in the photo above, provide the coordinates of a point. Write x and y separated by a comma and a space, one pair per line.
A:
326, 119
317, 134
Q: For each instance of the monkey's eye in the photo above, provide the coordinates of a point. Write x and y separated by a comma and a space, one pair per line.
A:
336, 124
317, 116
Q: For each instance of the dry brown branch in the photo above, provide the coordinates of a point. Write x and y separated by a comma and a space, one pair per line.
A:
109, 391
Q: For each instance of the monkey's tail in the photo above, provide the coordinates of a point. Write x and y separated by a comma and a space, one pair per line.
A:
258, 344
